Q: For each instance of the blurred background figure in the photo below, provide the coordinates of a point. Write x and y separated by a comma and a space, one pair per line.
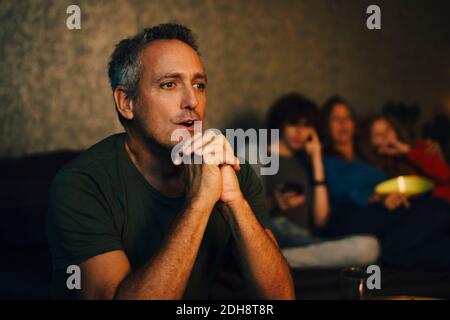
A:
438, 129
384, 144
298, 196
412, 231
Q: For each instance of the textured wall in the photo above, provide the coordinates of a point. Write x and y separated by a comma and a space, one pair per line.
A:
54, 90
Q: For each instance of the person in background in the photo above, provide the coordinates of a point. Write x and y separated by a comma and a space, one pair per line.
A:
413, 232
357, 179
385, 145
298, 195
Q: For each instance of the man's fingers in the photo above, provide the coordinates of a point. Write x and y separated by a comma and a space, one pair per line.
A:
198, 141
213, 157
188, 146
217, 157
214, 148
219, 152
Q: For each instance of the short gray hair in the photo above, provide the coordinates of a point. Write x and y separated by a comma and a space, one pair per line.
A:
125, 67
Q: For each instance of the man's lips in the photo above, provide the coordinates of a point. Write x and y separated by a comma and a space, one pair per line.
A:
187, 123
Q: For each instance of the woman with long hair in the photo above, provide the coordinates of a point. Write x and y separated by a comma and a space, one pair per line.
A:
384, 144
413, 232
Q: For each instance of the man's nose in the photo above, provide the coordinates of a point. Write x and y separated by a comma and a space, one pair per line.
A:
190, 100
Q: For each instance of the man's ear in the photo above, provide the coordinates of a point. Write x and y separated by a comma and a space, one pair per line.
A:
124, 102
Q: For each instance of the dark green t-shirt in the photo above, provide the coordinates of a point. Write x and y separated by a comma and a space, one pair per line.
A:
100, 202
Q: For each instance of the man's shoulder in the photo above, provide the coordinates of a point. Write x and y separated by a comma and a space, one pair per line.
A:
95, 163
97, 156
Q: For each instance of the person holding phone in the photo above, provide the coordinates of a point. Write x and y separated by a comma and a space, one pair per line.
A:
298, 196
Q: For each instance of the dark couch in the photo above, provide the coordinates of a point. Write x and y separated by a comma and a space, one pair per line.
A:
25, 268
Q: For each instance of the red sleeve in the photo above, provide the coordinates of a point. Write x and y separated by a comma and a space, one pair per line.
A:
431, 165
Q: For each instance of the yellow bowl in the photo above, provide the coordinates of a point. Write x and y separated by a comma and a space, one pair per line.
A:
408, 185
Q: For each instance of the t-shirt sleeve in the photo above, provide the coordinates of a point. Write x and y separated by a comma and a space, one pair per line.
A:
79, 220
252, 189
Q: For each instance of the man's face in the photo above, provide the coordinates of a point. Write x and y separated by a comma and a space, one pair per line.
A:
171, 90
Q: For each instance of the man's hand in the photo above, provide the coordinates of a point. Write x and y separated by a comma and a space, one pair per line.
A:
213, 148
215, 178
203, 183
231, 192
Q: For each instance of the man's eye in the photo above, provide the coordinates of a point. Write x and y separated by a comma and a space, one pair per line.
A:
200, 86
169, 84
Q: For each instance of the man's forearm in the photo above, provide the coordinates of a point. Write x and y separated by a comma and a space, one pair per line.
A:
166, 275
264, 267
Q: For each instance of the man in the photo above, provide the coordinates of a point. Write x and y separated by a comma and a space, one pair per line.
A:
141, 227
